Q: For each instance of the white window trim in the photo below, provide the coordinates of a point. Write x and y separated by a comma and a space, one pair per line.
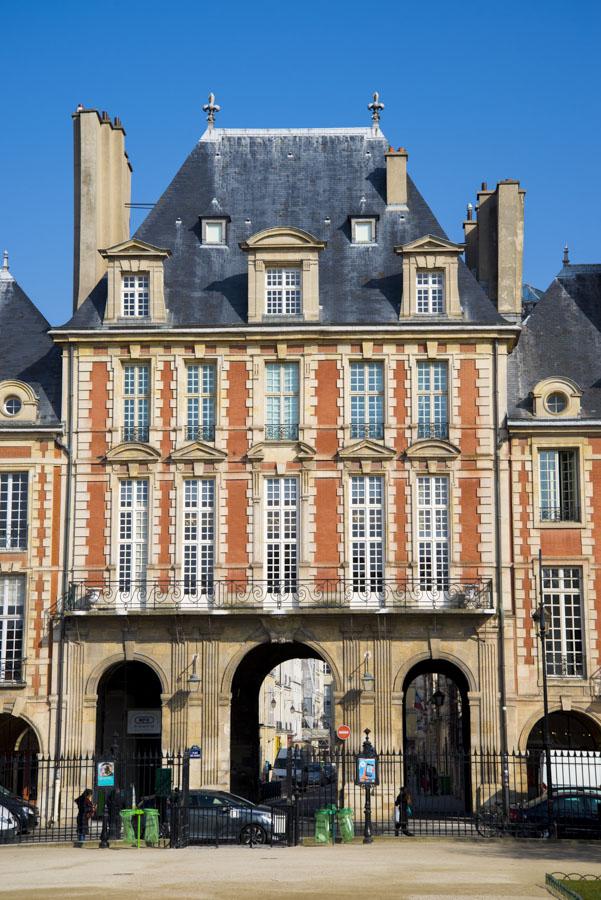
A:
11, 663
138, 572
561, 590
372, 582
283, 582
214, 221
430, 288
352, 425
137, 424
288, 431
206, 429
281, 290
435, 578
203, 581
361, 220
141, 294
432, 426
25, 546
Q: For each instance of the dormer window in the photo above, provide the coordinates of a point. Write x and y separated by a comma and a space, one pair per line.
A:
430, 292
430, 277
556, 397
283, 295
364, 231
214, 232
135, 295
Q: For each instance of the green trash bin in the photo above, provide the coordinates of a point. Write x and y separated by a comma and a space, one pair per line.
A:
346, 826
128, 835
151, 827
323, 829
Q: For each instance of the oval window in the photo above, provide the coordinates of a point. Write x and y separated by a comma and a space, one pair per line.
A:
556, 402
12, 406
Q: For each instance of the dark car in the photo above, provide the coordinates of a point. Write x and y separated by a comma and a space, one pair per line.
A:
220, 816
577, 813
24, 811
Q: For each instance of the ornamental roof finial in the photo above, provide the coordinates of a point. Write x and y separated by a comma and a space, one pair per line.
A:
4, 271
566, 255
211, 108
376, 107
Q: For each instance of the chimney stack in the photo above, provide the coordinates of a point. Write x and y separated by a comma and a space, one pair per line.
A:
396, 177
102, 181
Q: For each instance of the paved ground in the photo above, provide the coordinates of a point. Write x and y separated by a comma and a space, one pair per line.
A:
406, 868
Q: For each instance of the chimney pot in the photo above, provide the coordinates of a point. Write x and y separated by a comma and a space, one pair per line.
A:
484, 186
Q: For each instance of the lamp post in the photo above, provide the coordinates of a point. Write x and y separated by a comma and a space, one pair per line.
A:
368, 750
539, 617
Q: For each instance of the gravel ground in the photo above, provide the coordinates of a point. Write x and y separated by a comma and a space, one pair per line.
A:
408, 868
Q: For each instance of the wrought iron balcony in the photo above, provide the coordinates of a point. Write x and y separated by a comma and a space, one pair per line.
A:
568, 512
11, 670
200, 432
135, 433
13, 538
438, 430
276, 596
374, 430
281, 432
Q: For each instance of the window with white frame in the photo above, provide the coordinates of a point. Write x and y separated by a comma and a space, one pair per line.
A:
558, 481
199, 535
201, 402
562, 597
133, 533
367, 533
281, 401
12, 616
281, 534
433, 532
213, 231
430, 292
283, 294
367, 400
13, 510
432, 400
136, 389
364, 231
135, 295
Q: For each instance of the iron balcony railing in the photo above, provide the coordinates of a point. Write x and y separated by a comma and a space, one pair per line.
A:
13, 538
245, 595
11, 669
135, 433
438, 430
200, 432
568, 512
281, 432
374, 430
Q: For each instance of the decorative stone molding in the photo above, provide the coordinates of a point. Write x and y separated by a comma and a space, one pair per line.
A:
135, 256
366, 450
25, 395
198, 451
132, 452
432, 448
556, 385
430, 253
264, 450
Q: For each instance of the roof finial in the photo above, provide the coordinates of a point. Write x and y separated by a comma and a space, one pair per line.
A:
470, 212
211, 108
4, 271
376, 107
566, 255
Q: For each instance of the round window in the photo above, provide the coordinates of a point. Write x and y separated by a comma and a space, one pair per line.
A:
12, 406
556, 402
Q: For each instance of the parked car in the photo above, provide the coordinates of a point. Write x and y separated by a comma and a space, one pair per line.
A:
25, 812
9, 825
279, 771
221, 816
576, 812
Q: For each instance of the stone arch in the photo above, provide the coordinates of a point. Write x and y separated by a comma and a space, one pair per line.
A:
29, 723
553, 708
229, 672
443, 656
103, 667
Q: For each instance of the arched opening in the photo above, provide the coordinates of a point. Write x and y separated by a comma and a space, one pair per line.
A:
275, 704
19, 748
567, 731
129, 710
436, 728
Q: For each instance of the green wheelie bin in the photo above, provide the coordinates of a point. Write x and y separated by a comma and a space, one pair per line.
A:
346, 826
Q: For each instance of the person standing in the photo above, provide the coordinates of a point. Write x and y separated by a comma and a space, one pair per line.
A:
85, 811
402, 811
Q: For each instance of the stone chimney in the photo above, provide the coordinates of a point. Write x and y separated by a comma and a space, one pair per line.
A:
102, 180
396, 177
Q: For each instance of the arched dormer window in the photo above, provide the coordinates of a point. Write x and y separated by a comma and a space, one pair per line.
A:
18, 403
283, 275
556, 397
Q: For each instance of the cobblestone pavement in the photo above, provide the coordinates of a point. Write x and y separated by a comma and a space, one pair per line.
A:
405, 868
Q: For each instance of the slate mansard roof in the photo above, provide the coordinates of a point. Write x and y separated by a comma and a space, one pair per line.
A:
561, 337
302, 178
27, 352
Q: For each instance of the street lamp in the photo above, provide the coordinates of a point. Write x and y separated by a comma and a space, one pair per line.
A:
539, 618
437, 700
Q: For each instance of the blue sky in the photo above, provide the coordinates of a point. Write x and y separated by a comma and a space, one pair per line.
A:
476, 92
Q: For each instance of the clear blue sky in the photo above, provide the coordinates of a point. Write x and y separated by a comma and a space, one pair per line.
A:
475, 91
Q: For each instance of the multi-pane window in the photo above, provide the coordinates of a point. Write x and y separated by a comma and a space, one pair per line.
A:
135, 295
199, 535
201, 402
283, 292
12, 611
430, 292
13, 511
367, 532
133, 532
432, 400
562, 597
559, 495
281, 401
367, 400
136, 388
281, 534
433, 531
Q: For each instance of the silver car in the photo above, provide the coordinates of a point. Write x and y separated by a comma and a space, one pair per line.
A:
218, 816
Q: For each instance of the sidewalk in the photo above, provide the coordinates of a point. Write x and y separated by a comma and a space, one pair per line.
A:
407, 868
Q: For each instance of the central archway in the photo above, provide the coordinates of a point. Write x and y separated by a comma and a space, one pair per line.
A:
129, 709
245, 761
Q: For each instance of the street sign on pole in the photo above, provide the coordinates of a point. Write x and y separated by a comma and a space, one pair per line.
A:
343, 732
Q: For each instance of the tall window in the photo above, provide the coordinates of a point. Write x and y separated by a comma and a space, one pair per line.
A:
432, 400
135, 295
12, 611
133, 532
281, 401
13, 511
199, 536
430, 292
281, 539
562, 597
283, 294
201, 402
559, 500
367, 400
433, 531
367, 532
136, 381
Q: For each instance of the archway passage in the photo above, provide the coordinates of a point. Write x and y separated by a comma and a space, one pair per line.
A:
129, 710
571, 731
19, 748
436, 730
245, 726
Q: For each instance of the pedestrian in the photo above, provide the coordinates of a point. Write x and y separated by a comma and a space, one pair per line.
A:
85, 811
402, 811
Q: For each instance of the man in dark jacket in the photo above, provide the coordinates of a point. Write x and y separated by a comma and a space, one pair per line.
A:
402, 811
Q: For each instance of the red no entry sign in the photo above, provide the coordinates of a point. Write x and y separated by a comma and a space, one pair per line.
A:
344, 732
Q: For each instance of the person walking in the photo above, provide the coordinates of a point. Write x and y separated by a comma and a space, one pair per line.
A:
402, 811
85, 811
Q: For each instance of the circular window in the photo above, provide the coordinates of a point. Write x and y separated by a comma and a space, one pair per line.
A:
556, 402
12, 406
